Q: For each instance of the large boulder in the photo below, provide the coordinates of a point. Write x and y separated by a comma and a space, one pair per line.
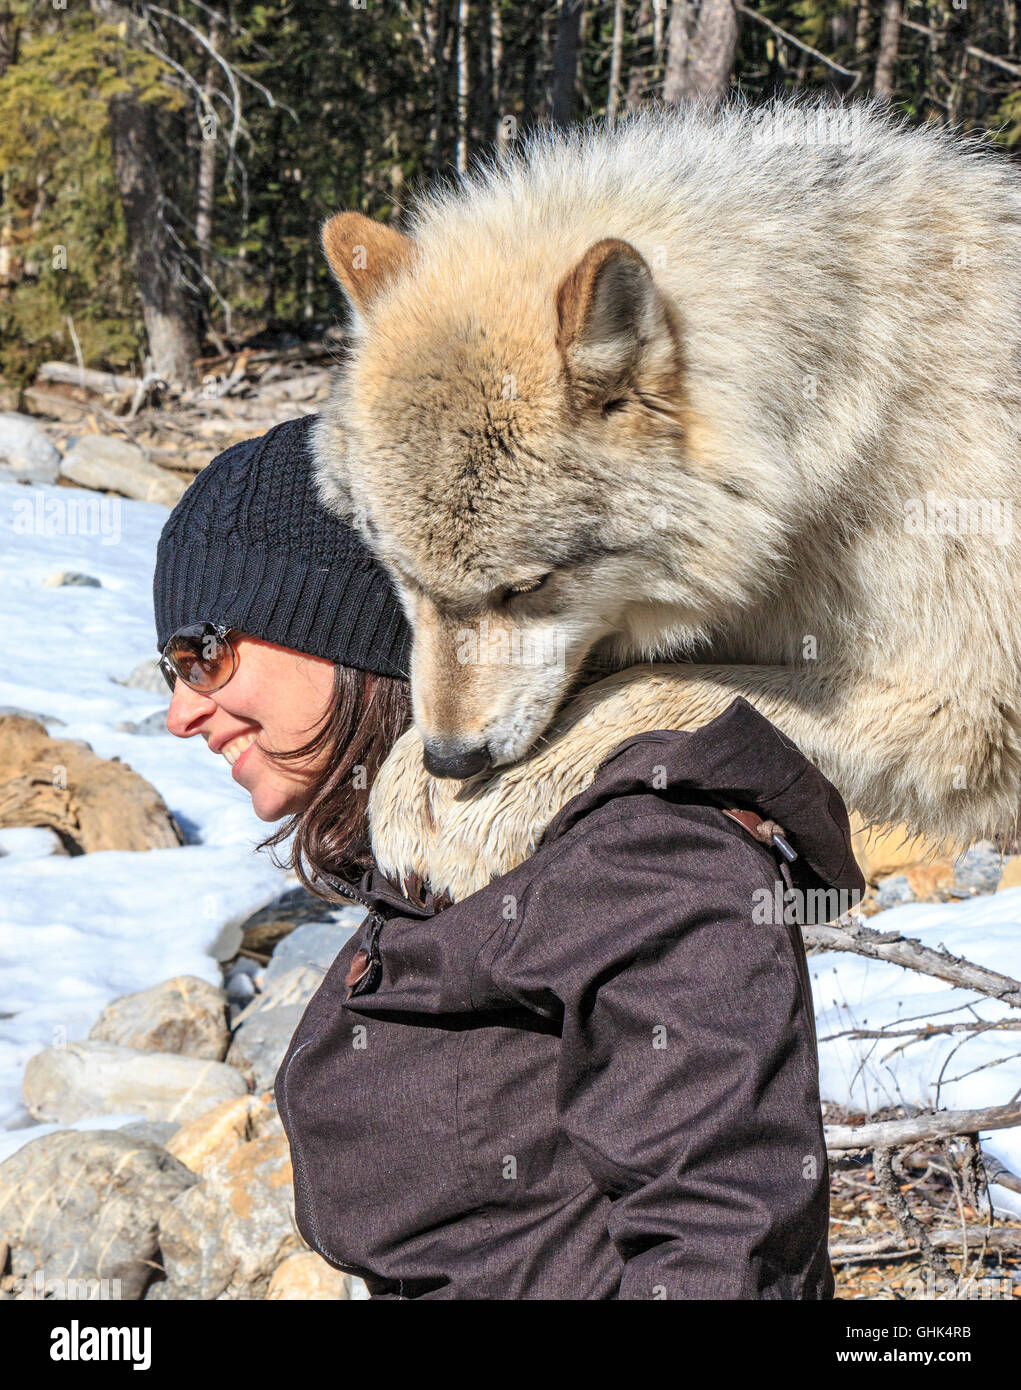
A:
185, 1015
97, 1078
210, 1136
225, 1237
92, 803
79, 1211
117, 465
26, 454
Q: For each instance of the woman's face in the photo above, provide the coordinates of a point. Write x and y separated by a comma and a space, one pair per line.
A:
275, 699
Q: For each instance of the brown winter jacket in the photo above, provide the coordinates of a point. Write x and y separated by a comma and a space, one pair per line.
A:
595, 1078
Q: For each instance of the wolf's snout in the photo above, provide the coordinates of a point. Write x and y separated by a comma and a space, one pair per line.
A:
451, 758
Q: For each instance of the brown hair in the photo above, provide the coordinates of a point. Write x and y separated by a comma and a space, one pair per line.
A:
366, 716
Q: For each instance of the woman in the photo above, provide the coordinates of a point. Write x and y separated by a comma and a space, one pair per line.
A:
593, 1077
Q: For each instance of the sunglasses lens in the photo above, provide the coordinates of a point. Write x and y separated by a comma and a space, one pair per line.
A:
200, 656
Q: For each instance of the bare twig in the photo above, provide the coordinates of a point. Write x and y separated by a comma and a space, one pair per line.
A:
798, 43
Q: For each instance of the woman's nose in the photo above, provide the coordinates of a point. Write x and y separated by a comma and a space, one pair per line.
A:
188, 708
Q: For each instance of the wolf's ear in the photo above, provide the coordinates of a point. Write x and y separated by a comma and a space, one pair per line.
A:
364, 255
611, 320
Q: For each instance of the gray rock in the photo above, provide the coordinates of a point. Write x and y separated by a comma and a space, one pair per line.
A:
184, 1015
117, 465
49, 721
892, 891
146, 676
240, 988
63, 579
980, 867
98, 1078
224, 1237
148, 727
152, 1131
263, 1030
26, 454
315, 945
80, 1212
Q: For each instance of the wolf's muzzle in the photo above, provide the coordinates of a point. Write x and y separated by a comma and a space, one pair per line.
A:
450, 758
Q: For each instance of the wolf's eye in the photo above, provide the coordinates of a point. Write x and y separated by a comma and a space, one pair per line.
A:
514, 590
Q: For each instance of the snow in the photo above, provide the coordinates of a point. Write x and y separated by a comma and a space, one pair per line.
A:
951, 1071
77, 932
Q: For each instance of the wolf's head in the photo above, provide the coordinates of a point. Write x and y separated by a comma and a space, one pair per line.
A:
510, 434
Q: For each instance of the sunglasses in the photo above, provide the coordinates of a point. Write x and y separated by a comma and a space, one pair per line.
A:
201, 655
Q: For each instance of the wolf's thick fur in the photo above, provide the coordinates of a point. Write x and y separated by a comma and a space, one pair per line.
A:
717, 386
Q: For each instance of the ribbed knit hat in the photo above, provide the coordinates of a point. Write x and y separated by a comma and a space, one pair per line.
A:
251, 545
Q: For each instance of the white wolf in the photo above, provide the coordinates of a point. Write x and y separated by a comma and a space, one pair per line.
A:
710, 388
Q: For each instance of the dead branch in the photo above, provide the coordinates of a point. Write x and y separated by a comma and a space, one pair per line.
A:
909, 952
942, 1124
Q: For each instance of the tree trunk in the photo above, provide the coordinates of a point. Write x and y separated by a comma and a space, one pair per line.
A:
861, 32
886, 63
616, 58
711, 61
462, 86
565, 60
171, 315
10, 30
206, 186
675, 79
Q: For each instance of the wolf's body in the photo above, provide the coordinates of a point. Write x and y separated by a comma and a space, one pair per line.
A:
724, 391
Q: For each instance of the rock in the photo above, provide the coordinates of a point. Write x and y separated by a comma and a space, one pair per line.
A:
264, 930
26, 455
890, 849
62, 579
314, 946
83, 1206
50, 720
152, 1131
240, 988
185, 1015
306, 1276
117, 465
1011, 877
151, 725
91, 803
980, 867
930, 882
212, 1135
893, 891
147, 676
32, 842
99, 1078
225, 1236
264, 1028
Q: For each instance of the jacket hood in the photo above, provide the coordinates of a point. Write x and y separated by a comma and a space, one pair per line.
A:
739, 759
439, 841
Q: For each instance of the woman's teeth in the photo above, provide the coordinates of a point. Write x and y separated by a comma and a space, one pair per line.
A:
233, 750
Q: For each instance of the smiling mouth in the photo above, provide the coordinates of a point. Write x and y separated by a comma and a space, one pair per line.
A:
233, 750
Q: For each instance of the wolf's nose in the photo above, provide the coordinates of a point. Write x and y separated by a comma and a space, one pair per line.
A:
454, 759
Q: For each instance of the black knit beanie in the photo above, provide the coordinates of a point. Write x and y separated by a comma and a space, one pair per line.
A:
251, 545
